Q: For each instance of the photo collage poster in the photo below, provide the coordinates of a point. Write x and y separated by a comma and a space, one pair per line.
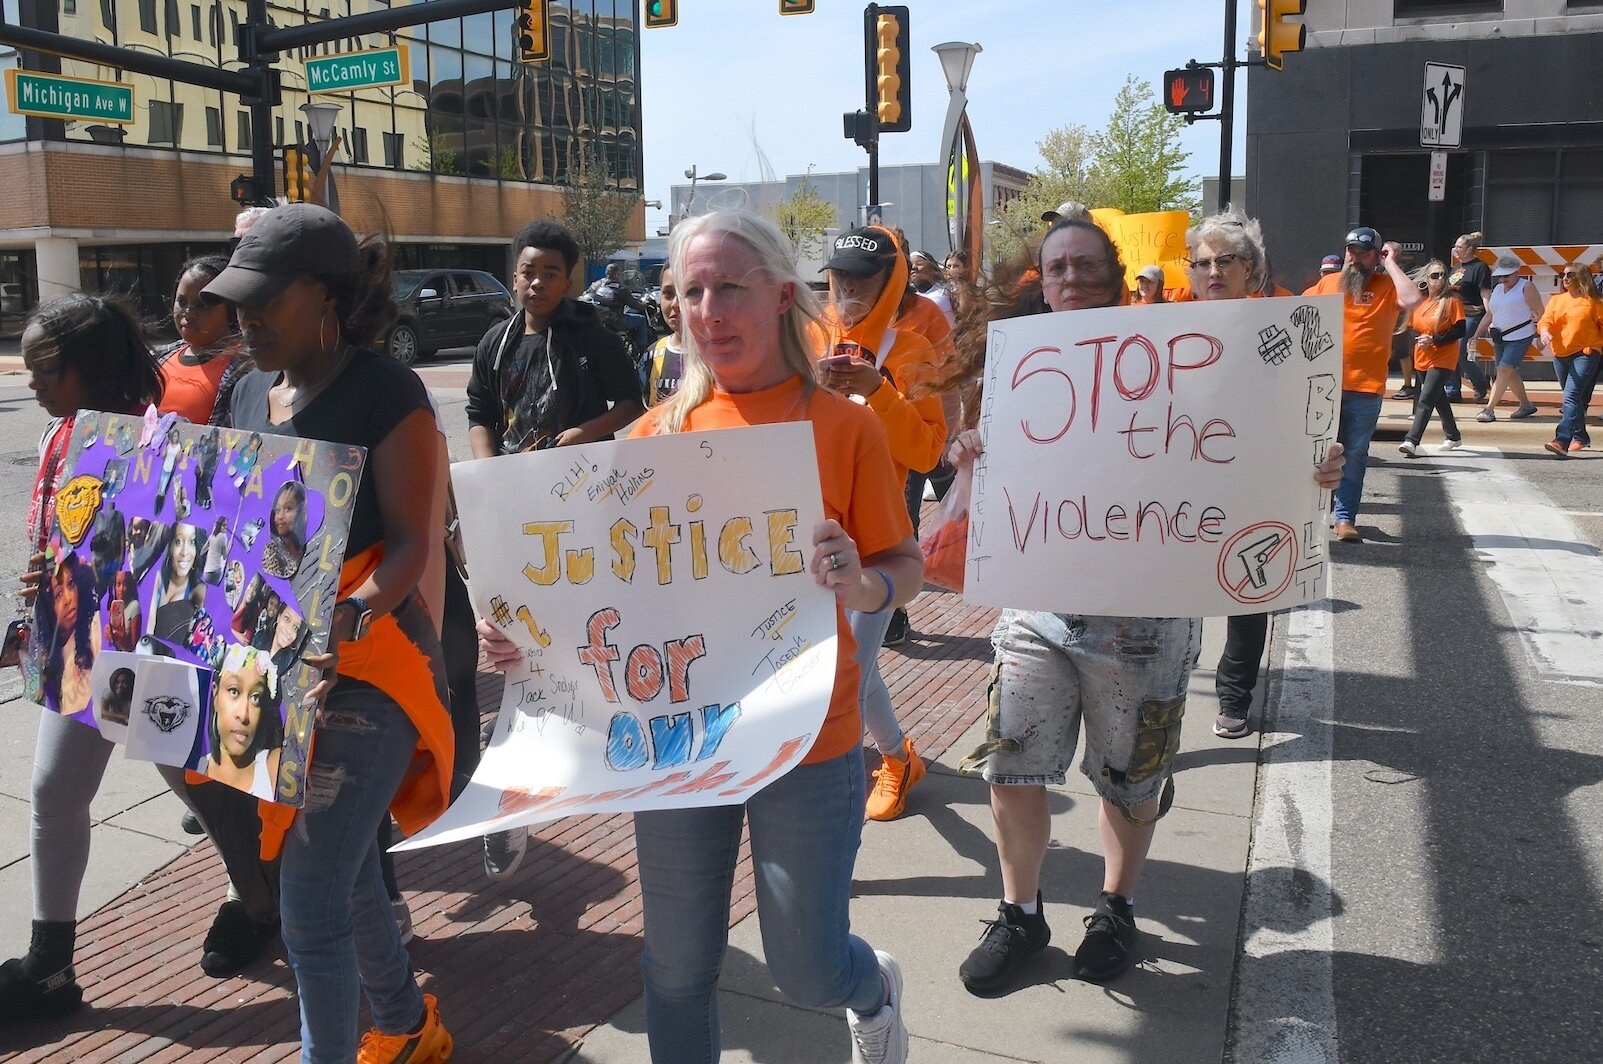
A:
189, 572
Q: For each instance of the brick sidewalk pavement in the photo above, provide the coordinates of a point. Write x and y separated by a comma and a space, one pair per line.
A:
524, 968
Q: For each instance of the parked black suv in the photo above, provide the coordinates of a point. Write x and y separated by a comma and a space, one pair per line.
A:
443, 308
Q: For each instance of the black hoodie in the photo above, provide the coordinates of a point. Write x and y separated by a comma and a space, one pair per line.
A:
510, 391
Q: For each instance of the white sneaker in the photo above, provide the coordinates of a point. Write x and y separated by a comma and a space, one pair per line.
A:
503, 852
1452, 445
881, 1037
1410, 448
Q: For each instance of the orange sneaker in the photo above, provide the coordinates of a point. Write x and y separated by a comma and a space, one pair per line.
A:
892, 780
431, 1045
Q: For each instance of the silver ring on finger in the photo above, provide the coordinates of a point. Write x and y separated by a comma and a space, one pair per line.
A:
836, 561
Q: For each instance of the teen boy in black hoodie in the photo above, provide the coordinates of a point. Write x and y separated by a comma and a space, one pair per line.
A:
545, 377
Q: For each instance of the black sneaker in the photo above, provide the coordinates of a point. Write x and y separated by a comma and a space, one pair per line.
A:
896, 633
1109, 934
234, 941
190, 823
1006, 943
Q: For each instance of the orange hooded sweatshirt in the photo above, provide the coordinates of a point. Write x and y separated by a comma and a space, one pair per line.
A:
916, 428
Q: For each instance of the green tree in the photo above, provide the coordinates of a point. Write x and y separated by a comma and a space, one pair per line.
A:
437, 154
1066, 176
803, 216
1136, 164
595, 211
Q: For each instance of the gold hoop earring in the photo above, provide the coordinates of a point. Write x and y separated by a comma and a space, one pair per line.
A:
322, 323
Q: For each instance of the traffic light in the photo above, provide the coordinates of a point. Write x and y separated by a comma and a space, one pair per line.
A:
888, 45
1276, 36
298, 176
242, 190
660, 13
534, 37
1188, 90
795, 7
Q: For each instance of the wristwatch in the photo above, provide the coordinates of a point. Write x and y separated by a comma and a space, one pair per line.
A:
364, 616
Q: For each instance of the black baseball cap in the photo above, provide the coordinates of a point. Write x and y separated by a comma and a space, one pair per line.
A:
1364, 237
285, 243
863, 252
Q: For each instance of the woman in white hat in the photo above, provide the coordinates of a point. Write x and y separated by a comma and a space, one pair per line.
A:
1511, 316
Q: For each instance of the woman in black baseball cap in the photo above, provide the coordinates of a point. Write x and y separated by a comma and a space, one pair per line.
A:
311, 300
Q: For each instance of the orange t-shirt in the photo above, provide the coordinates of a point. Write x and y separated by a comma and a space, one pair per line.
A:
1368, 325
191, 391
860, 489
1429, 318
1574, 322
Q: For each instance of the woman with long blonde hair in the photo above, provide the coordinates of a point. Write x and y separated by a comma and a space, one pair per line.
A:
1438, 325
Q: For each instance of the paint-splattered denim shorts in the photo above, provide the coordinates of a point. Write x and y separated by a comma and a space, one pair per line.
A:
1125, 677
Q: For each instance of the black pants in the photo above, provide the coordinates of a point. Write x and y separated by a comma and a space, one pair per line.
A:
460, 642
233, 823
941, 476
1237, 673
1433, 396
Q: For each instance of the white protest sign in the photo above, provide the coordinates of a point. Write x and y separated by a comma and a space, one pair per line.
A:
1156, 461
677, 651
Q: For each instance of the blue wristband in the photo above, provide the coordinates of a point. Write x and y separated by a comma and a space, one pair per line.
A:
890, 590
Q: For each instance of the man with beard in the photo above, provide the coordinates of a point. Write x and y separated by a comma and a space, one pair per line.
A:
1375, 292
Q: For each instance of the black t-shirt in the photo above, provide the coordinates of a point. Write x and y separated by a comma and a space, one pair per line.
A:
1466, 282
371, 396
536, 411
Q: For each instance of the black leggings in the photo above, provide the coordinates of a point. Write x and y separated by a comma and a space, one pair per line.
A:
1433, 396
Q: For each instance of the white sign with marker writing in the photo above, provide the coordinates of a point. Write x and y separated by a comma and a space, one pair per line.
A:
1156, 461
677, 651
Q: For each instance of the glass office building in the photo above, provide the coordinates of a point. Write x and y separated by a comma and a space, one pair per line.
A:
472, 145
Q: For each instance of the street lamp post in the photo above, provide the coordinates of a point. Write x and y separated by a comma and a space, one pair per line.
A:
964, 228
691, 199
320, 119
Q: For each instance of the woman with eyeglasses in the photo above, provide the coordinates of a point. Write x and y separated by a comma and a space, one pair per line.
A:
1117, 677
1572, 328
1438, 325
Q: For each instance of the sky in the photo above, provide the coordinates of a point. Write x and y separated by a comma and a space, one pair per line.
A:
736, 88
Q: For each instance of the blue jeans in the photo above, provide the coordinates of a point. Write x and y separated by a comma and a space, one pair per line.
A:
868, 630
1469, 366
1355, 427
338, 927
805, 829
1577, 375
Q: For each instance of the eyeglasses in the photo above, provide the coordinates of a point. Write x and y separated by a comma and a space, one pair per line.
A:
1055, 273
1435, 276
1224, 262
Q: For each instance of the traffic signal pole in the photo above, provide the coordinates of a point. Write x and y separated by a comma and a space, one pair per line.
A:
1227, 105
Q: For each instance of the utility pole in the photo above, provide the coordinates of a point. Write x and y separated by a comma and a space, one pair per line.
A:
1227, 105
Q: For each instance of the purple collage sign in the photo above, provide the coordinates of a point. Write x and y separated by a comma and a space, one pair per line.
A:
189, 572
